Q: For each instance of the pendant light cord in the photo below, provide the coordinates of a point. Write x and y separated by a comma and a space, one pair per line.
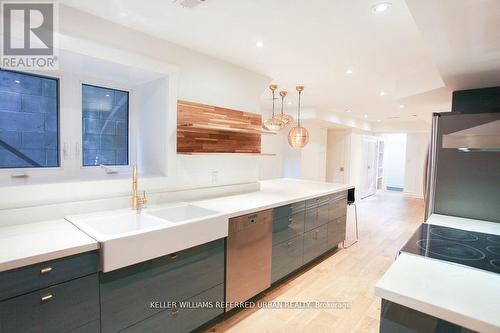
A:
273, 104
282, 101
298, 113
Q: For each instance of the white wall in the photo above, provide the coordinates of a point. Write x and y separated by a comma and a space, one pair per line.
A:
394, 159
416, 150
308, 162
191, 76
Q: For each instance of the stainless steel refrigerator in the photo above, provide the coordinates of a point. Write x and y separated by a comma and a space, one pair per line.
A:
463, 169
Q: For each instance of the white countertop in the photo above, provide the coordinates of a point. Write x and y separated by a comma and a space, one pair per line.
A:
273, 193
28, 244
465, 296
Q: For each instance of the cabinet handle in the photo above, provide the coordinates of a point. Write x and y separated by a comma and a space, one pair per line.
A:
174, 312
173, 256
46, 298
290, 220
289, 244
45, 270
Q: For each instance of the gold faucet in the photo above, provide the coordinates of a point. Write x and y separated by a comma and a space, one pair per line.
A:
137, 201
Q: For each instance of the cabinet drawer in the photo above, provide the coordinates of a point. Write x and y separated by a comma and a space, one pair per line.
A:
336, 231
126, 293
287, 257
286, 228
315, 243
65, 307
338, 207
183, 320
317, 201
289, 210
26, 279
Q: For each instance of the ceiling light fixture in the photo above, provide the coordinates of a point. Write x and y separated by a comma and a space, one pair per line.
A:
382, 93
298, 136
401, 106
381, 7
348, 72
289, 103
274, 123
285, 118
366, 116
107, 95
378, 120
17, 81
259, 44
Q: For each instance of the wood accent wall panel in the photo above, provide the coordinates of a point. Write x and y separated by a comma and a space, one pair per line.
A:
211, 129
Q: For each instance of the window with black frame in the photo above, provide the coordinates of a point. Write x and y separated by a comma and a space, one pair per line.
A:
29, 120
105, 121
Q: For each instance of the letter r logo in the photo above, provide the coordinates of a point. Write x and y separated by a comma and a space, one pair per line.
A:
28, 29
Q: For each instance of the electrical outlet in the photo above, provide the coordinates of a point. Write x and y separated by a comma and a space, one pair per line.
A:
215, 176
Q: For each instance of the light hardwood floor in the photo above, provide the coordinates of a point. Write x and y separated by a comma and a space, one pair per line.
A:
386, 221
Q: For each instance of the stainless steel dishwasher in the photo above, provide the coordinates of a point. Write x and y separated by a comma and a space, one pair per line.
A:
249, 252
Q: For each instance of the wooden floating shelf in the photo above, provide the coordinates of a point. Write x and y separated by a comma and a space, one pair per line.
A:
227, 154
227, 129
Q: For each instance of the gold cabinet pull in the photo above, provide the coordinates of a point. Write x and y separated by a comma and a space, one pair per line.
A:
289, 243
173, 256
46, 298
46, 270
174, 312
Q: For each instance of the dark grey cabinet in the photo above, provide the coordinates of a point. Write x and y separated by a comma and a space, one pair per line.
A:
336, 231
396, 318
305, 230
64, 307
56, 296
23, 280
126, 293
315, 243
287, 257
287, 227
187, 316
317, 212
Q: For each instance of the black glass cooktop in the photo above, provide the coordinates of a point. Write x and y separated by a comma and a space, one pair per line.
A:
469, 248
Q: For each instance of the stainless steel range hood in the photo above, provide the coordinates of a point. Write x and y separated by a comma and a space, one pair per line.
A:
485, 137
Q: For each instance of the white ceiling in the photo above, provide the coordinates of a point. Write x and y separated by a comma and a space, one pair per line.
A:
314, 42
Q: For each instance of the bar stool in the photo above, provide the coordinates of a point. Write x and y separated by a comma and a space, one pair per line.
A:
351, 202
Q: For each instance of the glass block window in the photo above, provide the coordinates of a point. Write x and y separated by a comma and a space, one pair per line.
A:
105, 126
29, 122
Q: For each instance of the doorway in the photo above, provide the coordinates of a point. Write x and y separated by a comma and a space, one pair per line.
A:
369, 166
394, 161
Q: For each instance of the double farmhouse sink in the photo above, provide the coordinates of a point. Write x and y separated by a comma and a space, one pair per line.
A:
128, 237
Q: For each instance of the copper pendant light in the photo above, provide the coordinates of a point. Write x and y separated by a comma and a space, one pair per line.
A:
298, 136
285, 118
273, 124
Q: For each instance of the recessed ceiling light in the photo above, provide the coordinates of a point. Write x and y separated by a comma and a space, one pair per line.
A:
107, 95
401, 106
378, 120
17, 81
382, 93
289, 103
366, 116
259, 44
348, 72
381, 7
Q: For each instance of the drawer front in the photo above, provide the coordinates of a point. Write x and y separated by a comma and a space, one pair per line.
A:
339, 195
315, 243
26, 279
286, 228
338, 207
336, 232
323, 213
287, 257
126, 293
317, 201
65, 307
183, 320
289, 210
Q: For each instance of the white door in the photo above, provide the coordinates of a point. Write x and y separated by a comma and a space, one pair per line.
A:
369, 167
336, 156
